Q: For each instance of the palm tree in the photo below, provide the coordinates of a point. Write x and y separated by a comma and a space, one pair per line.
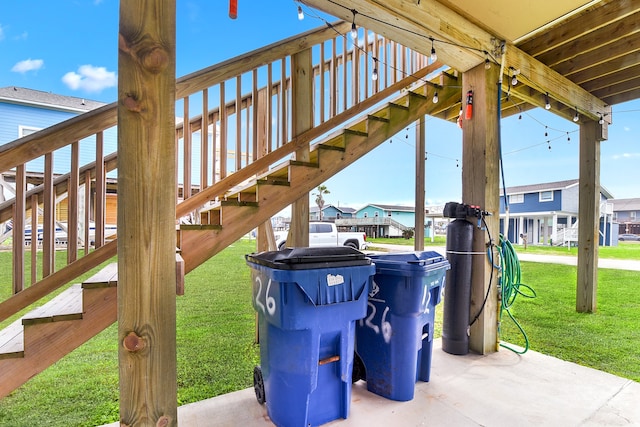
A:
322, 189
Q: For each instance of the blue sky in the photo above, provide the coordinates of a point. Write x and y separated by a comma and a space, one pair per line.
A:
69, 47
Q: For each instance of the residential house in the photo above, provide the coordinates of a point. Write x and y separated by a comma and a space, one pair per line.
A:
381, 220
26, 111
547, 213
330, 213
626, 212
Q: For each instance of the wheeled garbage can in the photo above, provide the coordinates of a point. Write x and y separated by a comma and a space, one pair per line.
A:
307, 301
394, 340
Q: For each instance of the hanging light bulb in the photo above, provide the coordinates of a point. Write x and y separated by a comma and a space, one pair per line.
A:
374, 75
300, 13
514, 80
434, 56
435, 97
577, 116
547, 104
354, 29
487, 64
601, 121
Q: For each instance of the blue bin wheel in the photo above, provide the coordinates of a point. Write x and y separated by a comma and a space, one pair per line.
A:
359, 371
258, 384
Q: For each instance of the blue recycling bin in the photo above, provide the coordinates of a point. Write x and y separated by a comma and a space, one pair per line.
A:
394, 340
307, 301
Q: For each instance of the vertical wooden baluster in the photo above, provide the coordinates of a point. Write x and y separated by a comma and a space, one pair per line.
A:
34, 241
87, 211
238, 124
223, 132
187, 149
269, 111
322, 91
204, 141
254, 112
284, 110
72, 204
101, 193
18, 230
345, 86
332, 82
48, 221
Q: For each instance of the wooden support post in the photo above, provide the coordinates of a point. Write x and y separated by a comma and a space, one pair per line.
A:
588, 217
265, 240
146, 214
480, 187
302, 120
420, 184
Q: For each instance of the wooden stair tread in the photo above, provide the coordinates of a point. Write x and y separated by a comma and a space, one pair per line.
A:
12, 341
107, 277
66, 306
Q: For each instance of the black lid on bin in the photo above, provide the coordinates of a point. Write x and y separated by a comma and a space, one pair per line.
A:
310, 258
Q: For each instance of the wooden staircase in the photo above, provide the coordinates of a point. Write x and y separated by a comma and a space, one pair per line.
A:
256, 202
37, 340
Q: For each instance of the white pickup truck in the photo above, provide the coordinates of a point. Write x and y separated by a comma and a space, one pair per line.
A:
326, 234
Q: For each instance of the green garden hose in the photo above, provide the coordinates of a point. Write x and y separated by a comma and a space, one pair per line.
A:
510, 287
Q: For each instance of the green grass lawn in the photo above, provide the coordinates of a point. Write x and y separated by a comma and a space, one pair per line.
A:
216, 350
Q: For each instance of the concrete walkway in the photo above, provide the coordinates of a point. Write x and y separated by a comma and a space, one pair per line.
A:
616, 264
496, 390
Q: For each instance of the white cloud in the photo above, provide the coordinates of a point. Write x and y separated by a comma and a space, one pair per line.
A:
625, 156
90, 79
1, 33
28, 65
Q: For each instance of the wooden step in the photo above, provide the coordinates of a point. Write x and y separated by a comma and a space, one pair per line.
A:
66, 306
107, 277
12, 341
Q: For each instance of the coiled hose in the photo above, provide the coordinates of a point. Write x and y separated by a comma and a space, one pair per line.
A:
510, 287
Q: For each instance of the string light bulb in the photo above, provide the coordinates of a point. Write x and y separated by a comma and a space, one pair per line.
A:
354, 29
601, 121
435, 97
487, 64
514, 80
547, 104
434, 56
300, 13
374, 75
577, 116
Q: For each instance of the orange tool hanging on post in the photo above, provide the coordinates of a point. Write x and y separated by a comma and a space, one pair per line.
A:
233, 9
469, 110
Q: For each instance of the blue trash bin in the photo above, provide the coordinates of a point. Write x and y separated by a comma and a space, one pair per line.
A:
394, 341
307, 301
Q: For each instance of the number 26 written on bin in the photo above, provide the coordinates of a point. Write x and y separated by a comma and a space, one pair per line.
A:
269, 301
384, 325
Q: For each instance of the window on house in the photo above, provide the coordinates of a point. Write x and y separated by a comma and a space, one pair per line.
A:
366, 215
26, 130
546, 196
376, 214
516, 198
389, 214
632, 215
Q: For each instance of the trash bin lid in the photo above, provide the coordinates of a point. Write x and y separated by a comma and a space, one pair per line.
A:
410, 261
310, 258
